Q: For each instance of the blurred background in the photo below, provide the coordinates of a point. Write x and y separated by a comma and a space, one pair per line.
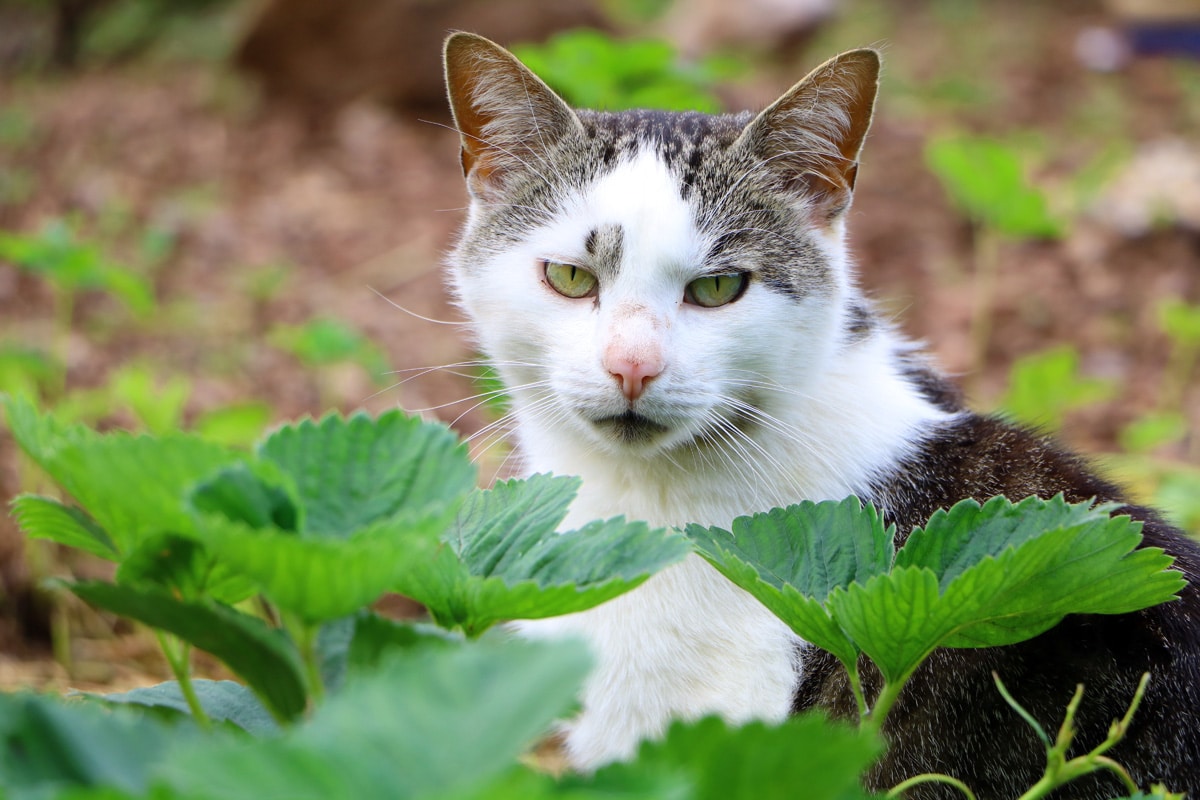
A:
214, 215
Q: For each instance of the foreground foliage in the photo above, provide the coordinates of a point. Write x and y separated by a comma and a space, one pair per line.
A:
270, 560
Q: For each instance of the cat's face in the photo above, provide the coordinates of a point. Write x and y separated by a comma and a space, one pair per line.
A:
647, 281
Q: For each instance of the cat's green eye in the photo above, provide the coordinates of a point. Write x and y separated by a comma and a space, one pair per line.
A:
569, 280
716, 290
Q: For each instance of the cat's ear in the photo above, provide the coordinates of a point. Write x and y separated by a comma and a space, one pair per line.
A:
505, 114
809, 139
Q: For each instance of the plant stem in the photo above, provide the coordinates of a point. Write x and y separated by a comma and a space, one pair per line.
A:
178, 656
883, 704
1059, 770
64, 317
306, 638
856, 688
930, 777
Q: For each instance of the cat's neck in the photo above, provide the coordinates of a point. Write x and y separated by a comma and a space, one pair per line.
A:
864, 418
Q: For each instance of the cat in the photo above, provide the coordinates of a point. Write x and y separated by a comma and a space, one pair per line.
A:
670, 303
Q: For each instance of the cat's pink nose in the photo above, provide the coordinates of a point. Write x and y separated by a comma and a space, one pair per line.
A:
633, 374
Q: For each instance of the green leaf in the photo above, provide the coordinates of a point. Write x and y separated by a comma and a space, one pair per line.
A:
351, 473
320, 342
986, 180
1044, 386
437, 724
1153, 430
1180, 321
792, 560
156, 402
321, 579
100, 472
260, 655
1000, 574
236, 425
171, 562
954, 540
184, 567
223, 701
240, 494
806, 756
377, 638
40, 436
505, 558
46, 518
364, 500
46, 744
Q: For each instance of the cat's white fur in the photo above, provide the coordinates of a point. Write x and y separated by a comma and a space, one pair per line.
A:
687, 642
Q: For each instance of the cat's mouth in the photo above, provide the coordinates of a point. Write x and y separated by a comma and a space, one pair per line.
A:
631, 427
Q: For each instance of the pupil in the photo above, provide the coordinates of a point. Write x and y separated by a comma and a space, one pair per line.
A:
572, 274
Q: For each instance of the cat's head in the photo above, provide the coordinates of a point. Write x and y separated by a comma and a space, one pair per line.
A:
646, 280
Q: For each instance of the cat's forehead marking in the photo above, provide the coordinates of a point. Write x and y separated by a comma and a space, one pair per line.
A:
638, 218
605, 245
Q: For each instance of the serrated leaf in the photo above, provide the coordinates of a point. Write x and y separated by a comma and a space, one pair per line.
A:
241, 494
223, 701
954, 540
896, 619
806, 756
1025, 574
100, 472
321, 579
185, 568
363, 641
40, 436
260, 655
46, 744
438, 724
377, 638
46, 518
353, 472
792, 559
504, 558
814, 547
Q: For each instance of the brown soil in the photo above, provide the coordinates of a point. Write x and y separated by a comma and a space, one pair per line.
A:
358, 219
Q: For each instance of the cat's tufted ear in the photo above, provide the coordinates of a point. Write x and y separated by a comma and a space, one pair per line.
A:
506, 115
809, 139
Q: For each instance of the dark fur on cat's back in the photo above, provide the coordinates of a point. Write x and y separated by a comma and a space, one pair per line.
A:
950, 717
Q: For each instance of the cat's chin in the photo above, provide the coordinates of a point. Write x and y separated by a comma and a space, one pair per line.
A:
631, 429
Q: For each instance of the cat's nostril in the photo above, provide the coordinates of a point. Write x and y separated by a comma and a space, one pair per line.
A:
633, 375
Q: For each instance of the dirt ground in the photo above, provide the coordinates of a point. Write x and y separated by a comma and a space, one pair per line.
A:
354, 222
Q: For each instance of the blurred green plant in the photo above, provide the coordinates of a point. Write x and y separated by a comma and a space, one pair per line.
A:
1181, 323
186, 29
636, 12
591, 69
986, 181
72, 266
1044, 386
25, 371
1169, 483
325, 342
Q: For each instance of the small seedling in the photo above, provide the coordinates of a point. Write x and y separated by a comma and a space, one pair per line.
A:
325, 342
986, 181
1044, 386
592, 70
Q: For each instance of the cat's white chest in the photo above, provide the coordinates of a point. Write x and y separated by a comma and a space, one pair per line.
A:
685, 644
